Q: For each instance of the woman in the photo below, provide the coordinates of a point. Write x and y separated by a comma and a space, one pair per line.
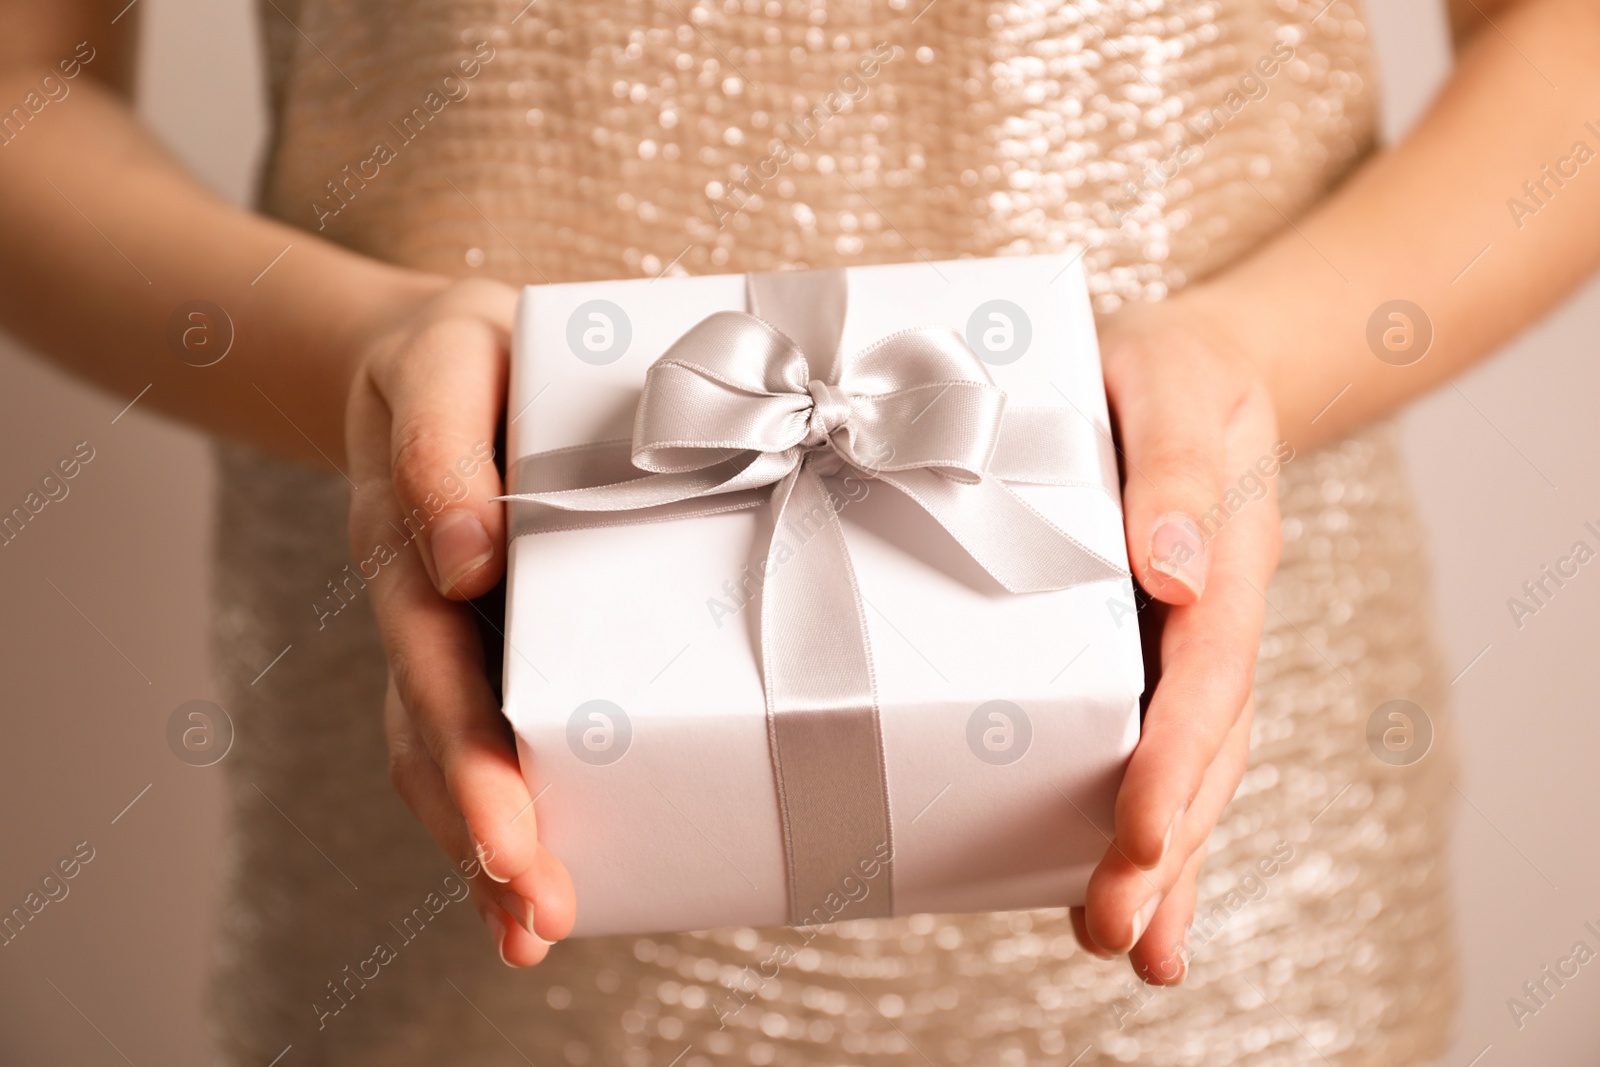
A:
425, 159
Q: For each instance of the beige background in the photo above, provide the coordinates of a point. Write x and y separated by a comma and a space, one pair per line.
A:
102, 613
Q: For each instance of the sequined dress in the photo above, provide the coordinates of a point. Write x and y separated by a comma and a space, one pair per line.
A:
619, 138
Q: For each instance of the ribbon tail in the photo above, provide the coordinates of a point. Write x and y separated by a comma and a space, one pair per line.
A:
1019, 547
530, 515
596, 485
822, 713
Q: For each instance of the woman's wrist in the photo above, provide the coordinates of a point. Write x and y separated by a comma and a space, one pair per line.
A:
1203, 316
1238, 325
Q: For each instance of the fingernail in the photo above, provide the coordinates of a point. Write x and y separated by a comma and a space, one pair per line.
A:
1142, 917
1178, 550
460, 546
483, 864
1183, 958
1175, 968
497, 930
520, 909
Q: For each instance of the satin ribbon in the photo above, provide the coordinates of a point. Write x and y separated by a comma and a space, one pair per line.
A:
748, 407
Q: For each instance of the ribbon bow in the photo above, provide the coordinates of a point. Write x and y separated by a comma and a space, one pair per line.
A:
743, 402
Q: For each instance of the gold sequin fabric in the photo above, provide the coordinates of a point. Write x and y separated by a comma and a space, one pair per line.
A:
624, 138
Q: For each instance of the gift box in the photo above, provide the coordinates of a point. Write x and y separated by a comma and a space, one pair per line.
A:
818, 604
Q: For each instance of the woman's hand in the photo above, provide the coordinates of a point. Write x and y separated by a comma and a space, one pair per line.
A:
1196, 421
424, 402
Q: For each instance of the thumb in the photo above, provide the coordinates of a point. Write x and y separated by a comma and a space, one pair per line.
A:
445, 389
1172, 412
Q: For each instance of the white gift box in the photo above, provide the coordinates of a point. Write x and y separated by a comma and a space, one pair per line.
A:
633, 668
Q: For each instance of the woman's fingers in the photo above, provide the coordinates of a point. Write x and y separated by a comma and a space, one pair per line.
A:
1080, 930
437, 663
437, 669
547, 887
1171, 408
421, 785
1162, 955
1124, 902
455, 765
444, 399
1208, 659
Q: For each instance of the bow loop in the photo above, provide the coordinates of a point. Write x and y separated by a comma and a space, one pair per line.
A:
730, 384
915, 357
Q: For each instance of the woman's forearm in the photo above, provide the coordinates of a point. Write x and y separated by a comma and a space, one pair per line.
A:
104, 238
1463, 219
1484, 217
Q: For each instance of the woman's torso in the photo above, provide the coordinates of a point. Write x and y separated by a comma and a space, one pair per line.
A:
602, 140
623, 137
